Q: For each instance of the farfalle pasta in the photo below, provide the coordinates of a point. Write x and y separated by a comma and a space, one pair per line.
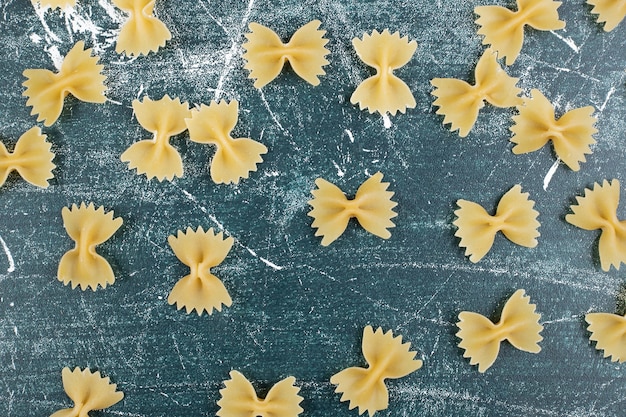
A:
610, 12
460, 102
503, 29
200, 251
372, 207
571, 134
143, 32
266, 53
515, 218
609, 332
387, 358
54, 4
80, 75
384, 92
481, 338
234, 158
89, 390
240, 400
88, 227
598, 210
31, 158
157, 157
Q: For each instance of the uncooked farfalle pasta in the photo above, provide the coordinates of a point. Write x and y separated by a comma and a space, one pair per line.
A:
503, 29
460, 102
266, 53
372, 206
88, 227
234, 158
387, 358
515, 218
610, 12
598, 210
240, 400
54, 4
156, 157
200, 251
80, 75
384, 92
609, 332
31, 158
571, 134
143, 32
481, 338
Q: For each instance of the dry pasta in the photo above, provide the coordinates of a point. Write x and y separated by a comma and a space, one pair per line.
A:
610, 12
31, 158
609, 332
143, 32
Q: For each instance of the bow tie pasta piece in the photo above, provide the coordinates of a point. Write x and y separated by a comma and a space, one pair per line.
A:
31, 158
571, 134
240, 400
610, 12
481, 338
88, 227
266, 53
142, 33
89, 391
54, 4
503, 29
460, 102
200, 251
372, 207
598, 210
388, 358
515, 218
384, 92
609, 331
157, 157
80, 75
234, 158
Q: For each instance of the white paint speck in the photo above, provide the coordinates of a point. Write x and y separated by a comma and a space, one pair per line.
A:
386, 121
11, 304
550, 174
35, 38
15, 330
7, 252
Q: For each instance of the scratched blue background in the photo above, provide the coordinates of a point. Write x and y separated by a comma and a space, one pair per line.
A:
299, 308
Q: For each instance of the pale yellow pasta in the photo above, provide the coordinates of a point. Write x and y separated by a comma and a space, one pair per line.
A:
503, 29
31, 158
371, 206
609, 331
598, 210
460, 102
240, 400
157, 157
266, 53
234, 158
54, 4
88, 227
200, 251
515, 218
80, 75
89, 391
610, 12
571, 134
387, 358
481, 338
384, 92
143, 32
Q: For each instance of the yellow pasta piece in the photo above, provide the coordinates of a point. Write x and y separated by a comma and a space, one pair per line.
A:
372, 207
266, 53
388, 358
88, 227
609, 331
481, 338
79, 75
384, 92
598, 210
200, 251
31, 158
54, 4
503, 29
240, 400
143, 32
157, 157
89, 391
515, 218
610, 12
460, 102
571, 134
234, 158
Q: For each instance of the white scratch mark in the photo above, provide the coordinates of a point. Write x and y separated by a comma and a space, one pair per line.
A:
55, 56
568, 41
267, 106
340, 172
350, 136
606, 100
562, 319
386, 121
262, 259
15, 330
8, 254
550, 174
111, 11
114, 102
